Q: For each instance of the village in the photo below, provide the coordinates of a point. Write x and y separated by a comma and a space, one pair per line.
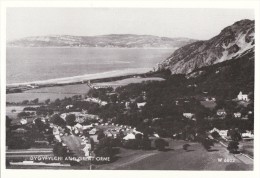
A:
91, 130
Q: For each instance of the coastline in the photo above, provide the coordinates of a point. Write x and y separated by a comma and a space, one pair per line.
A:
83, 78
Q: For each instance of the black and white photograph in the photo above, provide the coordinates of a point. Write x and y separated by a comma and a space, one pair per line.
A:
129, 88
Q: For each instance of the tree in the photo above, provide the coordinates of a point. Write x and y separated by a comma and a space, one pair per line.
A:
101, 135
104, 148
8, 122
215, 135
25, 102
35, 101
39, 124
47, 101
233, 146
70, 119
57, 120
59, 150
234, 134
23, 114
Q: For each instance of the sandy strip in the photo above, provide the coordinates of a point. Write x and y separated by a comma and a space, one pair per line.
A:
81, 78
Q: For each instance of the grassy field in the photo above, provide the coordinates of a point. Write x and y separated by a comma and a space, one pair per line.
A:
12, 110
175, 158
49, 93
247, 147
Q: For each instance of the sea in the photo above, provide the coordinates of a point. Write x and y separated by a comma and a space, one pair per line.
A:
40, 64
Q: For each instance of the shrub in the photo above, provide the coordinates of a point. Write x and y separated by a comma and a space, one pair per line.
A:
132, 144
215, 135
160, 144
233, 146
207, 143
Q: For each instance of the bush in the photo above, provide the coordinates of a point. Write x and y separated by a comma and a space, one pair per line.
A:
146, 144
132, 144
160, 144
59, 150
207, 143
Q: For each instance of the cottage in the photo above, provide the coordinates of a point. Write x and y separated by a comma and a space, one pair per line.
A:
242, 97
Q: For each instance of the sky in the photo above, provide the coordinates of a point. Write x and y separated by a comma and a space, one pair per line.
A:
194, 23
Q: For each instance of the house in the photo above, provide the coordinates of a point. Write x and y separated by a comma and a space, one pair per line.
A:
188, 115
23, 121
93, 131
127, 105
69, 106
96, 100
221, 112
140, 105
214, 130
242, 97
247, 135
129, 136
237, 114
223, 133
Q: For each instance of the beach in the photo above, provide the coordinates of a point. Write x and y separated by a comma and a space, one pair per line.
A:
84, 78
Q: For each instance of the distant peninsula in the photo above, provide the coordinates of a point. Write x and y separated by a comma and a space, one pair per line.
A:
105, 41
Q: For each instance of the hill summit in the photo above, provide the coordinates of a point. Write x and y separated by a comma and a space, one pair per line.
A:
232, 42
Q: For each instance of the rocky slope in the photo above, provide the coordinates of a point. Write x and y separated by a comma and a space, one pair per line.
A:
232, 41
113, 40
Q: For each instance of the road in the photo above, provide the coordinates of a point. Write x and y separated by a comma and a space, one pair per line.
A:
196, 158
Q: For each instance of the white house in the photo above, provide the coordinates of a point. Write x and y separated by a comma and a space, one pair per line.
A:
69, 106
93, 131
223, 133
140, 105
242, 97
221, 112
23, 121
130, 136
188, 115
237, 114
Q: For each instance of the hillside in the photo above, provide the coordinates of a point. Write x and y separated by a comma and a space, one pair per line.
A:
109, 41
226, 79
230, 43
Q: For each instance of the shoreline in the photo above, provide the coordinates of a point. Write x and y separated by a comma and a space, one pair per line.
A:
166, 48
82, 78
